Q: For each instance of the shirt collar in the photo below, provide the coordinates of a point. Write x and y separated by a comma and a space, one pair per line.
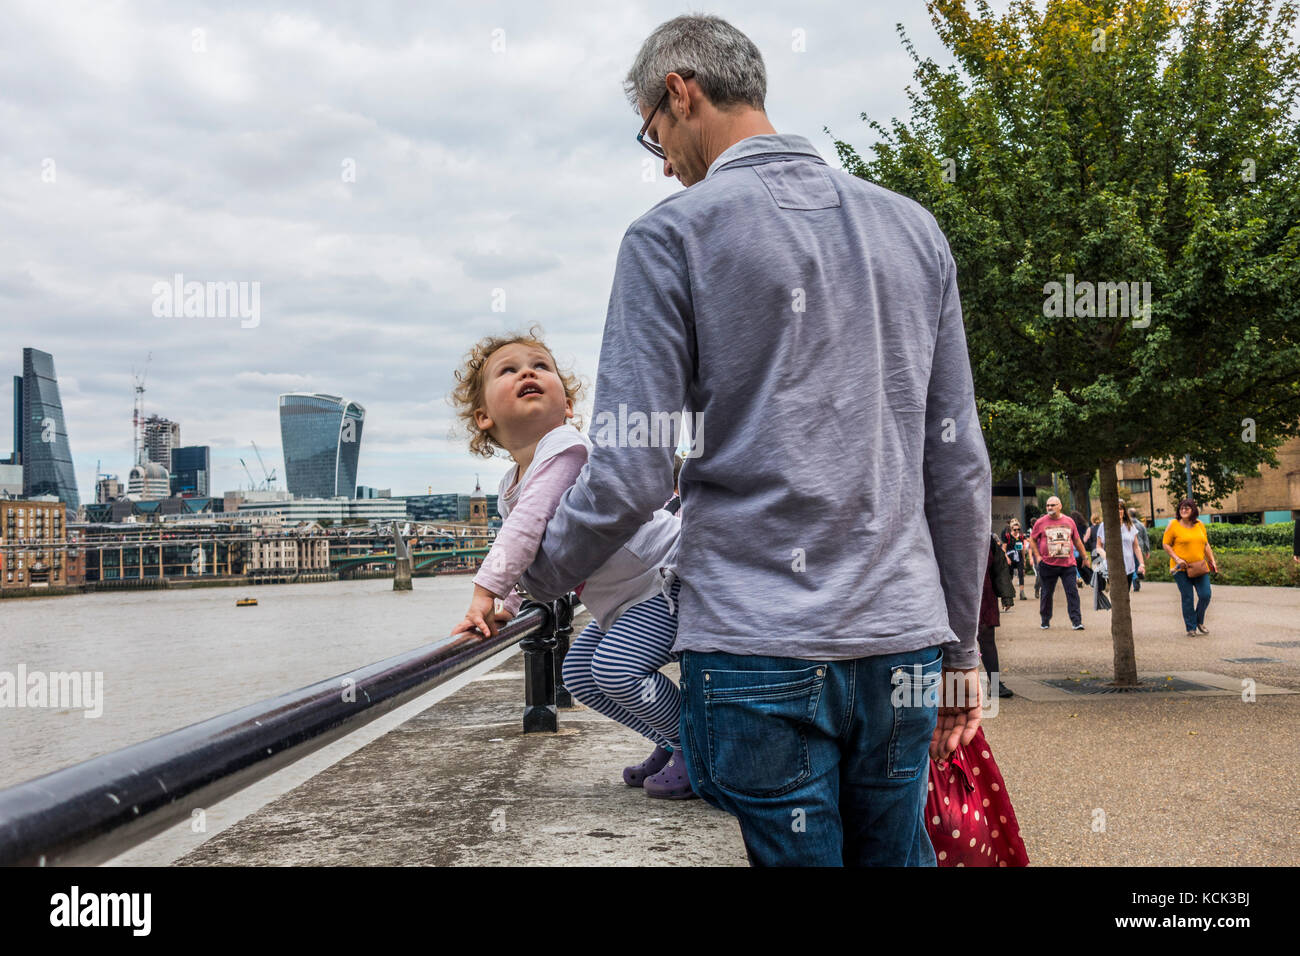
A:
764, 143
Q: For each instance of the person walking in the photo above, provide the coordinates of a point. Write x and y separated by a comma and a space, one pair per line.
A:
1144, 542
1081, 553
1100, 574
1016, 545
1090, 535
997, 584
1134, 560
1054, 541
815, 731
1191, 561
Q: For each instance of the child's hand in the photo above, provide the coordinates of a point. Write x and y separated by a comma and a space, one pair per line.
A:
480, 616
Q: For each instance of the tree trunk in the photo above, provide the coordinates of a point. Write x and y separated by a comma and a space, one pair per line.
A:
1080, 484
1121, 618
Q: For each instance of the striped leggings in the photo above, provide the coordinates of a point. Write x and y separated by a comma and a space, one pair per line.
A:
616, 673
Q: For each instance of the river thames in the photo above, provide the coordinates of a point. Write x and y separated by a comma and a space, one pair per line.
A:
171, 658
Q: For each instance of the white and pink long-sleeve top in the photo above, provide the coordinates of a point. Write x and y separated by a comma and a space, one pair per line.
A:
635, 573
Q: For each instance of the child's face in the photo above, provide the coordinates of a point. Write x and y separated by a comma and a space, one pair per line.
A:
523, 394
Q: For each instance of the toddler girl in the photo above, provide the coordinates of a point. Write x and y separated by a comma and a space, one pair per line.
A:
512, 395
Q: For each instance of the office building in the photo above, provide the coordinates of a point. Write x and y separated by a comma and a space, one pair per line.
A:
148, 481
17, 457
11, 481
1271, 496
46, 457
321, 439
191, 468
333, 511
108, 488
447, 507
234, 500
160, 438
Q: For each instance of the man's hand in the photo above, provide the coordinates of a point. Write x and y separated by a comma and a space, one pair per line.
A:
959, 712
480, 616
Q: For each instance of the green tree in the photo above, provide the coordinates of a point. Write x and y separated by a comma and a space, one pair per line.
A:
1120, 184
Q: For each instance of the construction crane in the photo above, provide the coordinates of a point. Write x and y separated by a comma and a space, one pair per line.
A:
137, 415
269, 476
252, 483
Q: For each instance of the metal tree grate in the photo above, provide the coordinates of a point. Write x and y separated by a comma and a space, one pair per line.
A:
1279, 643
1101, 685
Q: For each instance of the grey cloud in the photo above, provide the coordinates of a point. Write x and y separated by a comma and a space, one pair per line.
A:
473, 169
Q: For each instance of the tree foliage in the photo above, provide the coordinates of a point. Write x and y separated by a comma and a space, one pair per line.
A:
1117, 142
1094, 144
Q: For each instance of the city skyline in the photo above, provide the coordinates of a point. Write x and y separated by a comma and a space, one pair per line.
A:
152, 445
401, 175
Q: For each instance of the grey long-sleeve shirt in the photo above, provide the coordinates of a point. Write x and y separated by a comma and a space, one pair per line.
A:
809, 322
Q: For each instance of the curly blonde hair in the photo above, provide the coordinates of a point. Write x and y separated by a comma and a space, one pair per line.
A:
467, 397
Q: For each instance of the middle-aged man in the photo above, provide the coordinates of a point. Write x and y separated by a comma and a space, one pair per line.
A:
1053, 541
836, 504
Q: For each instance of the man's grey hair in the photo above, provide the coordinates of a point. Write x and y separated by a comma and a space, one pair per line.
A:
727, 65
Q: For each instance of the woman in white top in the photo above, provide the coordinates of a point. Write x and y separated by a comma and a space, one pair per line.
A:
1134, 564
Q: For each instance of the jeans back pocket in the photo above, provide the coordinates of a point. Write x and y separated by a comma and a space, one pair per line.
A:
915, 693
755, 721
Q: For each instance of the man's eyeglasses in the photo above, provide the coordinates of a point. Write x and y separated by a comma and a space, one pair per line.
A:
641, 136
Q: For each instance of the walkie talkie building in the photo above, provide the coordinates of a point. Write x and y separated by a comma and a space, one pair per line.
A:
321, 437
47, 460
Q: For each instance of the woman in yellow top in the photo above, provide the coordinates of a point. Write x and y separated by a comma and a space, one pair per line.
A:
1187, 543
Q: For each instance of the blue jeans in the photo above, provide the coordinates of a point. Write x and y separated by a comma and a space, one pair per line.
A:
812, 757
1186, 586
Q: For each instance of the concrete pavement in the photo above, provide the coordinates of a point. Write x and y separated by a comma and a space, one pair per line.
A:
1101, 780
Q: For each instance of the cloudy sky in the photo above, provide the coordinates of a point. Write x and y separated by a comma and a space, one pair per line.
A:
141, 140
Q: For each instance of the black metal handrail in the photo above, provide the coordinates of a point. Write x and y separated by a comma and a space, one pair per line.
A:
94, 810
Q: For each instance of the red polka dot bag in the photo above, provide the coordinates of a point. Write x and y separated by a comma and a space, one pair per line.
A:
968, 813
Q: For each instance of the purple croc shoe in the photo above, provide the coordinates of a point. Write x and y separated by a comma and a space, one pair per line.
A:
636, 776
672, 782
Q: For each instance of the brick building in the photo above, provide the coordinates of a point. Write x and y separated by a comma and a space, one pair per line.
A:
1273, 496
32, 539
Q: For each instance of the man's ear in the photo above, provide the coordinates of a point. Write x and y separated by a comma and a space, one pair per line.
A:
684, 98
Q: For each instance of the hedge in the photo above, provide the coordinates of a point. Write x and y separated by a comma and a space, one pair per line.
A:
1225, 535
1270, 567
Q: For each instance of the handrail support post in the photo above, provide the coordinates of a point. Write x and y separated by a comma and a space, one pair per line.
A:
539, 674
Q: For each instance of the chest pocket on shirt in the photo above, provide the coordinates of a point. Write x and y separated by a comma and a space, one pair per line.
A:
798, 185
